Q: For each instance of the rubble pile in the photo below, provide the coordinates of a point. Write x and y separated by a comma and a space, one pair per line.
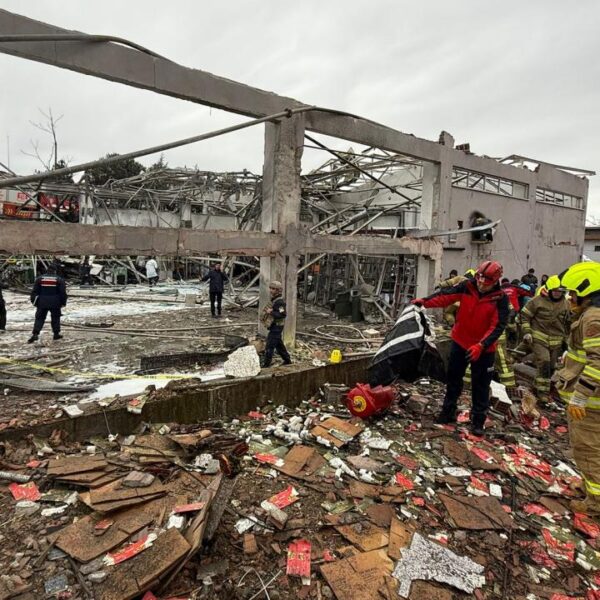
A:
303, 503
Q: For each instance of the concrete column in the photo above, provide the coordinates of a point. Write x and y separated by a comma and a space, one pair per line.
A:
427, 270
281, 212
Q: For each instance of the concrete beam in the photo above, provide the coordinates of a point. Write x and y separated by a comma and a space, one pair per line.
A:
23, 237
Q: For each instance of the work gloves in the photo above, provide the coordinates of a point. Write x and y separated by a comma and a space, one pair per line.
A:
474, 352
576, 407
528, 338
418, 302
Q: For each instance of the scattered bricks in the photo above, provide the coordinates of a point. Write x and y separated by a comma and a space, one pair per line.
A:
250, 546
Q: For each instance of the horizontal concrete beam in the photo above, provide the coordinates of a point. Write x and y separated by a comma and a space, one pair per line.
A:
122, 64
23, 237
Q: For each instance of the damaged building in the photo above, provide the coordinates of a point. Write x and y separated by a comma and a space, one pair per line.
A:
146, 454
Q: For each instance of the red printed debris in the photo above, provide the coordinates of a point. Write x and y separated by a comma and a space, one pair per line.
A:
482, 454
563, 597
538, 554
404, 482
328, 556
184, 508
592, 595
103, 525
130, 551
406, 461
586, 525
544, 424
254, 414
480, 485
149, 596
33, 464
418, 501
284, 498
463, 417
557, 548
269, 459
537, 509
412, 427
298, 559
507, 509
25, 491
562, 429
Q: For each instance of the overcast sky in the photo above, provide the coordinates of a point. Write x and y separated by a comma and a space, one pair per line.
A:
510, 77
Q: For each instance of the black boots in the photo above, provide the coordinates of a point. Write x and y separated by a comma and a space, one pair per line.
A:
34, 338
477, 425
446, 418
57, 336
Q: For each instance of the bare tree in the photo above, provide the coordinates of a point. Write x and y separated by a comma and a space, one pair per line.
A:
592, 220
47, 126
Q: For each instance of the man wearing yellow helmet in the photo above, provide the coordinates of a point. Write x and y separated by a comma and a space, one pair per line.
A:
578, 382
449, 314
545, 324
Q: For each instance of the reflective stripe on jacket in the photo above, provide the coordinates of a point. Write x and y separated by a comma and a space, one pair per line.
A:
546, 321
580, 373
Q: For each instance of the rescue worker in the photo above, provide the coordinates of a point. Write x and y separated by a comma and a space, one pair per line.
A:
216, 287
274, 317
578, 382
152, 271
545, 325
530, 279
49, 295
449, 314
85, 272
481, 319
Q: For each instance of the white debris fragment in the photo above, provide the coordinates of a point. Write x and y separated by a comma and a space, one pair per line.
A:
58, 510
495, 490
379, 443
72, 410
340, 466
244, 362
175, 521
457, 472
244, 525
427, 560
499, 391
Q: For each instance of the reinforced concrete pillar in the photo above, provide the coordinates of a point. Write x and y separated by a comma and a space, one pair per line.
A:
281, 192
427, 269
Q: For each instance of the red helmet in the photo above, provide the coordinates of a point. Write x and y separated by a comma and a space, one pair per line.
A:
489, 272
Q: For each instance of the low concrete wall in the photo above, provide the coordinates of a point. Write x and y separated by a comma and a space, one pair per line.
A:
187, 402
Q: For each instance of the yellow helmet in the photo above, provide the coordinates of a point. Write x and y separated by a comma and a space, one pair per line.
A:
554, 283
582, 278
470, 273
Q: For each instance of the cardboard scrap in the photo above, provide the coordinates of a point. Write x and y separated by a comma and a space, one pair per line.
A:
476, 513
360, 576
301, 461
336, 431
81, 540
114, 496
365, 535
71, 465
130, 551
132, 578
400, 537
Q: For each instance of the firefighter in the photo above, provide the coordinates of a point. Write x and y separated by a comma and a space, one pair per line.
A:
578, 382
49, 295
545, 325
449, 314
481, 319
274, 317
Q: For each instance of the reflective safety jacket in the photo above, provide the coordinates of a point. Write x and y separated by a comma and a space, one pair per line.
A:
581, 369
481, 318
547, 321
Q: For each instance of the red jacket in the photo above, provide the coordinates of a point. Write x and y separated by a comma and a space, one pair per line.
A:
481, 318
514, 293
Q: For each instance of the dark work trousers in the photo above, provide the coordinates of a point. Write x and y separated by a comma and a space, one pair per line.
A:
215, 298
275, 344
152, 280
40, 319
2, 315
481, 377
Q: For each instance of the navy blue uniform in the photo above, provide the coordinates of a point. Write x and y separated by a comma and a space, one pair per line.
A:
2, 309
217, 279
274, 337
49, 295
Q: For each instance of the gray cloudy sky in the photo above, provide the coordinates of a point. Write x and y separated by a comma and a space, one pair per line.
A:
509, 77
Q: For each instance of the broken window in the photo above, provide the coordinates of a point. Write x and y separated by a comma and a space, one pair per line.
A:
488, 183
559, 198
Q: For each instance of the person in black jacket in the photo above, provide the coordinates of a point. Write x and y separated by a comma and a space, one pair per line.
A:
215, 288
85, 272
2, 309
275, 313
49, 295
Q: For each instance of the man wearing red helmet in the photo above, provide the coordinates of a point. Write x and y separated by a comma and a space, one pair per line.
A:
480, 321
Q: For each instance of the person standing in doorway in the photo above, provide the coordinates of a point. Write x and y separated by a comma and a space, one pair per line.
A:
216, 287
152, 271
2, 309
49, 295
274, 317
